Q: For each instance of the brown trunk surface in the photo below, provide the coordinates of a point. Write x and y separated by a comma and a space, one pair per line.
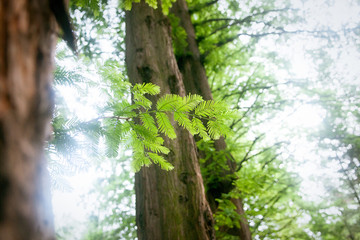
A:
26, 50
169, 205
196, 82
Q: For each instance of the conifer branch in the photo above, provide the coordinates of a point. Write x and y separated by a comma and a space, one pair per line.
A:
145, 123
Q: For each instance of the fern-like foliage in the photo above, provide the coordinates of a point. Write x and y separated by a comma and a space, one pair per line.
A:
140, 124
165, 125
143, 125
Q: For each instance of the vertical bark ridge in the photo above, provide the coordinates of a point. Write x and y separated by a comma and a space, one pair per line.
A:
169, 205
196, 82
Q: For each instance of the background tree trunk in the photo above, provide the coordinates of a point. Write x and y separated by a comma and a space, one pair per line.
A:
27, 42
196, 82
169, 205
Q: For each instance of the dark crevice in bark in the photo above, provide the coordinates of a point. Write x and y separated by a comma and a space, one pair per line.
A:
174, 88
145, 73
4, 191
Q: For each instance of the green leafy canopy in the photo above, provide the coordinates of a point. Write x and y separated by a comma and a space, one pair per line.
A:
165, 4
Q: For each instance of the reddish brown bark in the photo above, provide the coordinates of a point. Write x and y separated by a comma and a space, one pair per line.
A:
169, 205
196, 82
26, 50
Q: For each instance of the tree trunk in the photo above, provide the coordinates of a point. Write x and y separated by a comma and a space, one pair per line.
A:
169, 205
26, 51
196, 82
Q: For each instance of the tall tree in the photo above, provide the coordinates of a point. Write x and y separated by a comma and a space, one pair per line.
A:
196, 82
169, 205
27, 41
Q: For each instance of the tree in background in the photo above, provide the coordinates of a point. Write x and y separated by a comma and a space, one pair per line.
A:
338, 142
168, 204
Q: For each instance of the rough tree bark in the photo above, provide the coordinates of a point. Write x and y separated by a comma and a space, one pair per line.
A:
27, 41
196, 82
169, 205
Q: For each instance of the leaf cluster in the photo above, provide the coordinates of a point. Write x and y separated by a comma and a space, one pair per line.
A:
165, 4
144, 125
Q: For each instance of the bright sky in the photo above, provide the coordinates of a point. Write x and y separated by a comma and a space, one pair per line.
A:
67, 204
309, 116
